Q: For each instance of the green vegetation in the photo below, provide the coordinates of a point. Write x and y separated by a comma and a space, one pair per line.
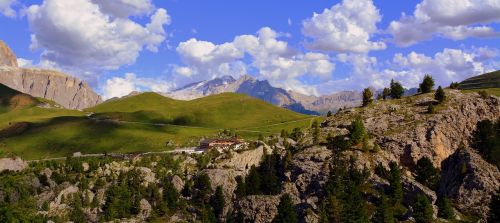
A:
367, 97
145, 122
446, 209
427, 84
487, 80
386, 93
440, 95
426, 173
397, 90
486, 140
454, 85
286, 211
422, 210
485, 91
265, 179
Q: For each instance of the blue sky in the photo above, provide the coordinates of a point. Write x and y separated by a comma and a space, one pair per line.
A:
122, 45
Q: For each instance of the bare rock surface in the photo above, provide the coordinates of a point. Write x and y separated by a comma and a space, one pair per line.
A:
7, 57
16, 164
469, 181
259, 208
67, 91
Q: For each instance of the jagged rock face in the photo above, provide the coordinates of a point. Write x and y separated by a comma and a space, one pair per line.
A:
469, 181
12, 164
67, 91
7, 57
259, 208
332, 102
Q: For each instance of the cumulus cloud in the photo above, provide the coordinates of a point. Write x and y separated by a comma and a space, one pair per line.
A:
452, 19
346, 27
122, 86
85, 34
449, 65
6, 8
272, 58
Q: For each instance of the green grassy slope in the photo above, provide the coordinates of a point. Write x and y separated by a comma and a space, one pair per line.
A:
227, 110
131, 124
483, 81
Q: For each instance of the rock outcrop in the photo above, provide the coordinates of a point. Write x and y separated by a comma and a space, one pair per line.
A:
16, 164
67, 91
7, 57
469, 181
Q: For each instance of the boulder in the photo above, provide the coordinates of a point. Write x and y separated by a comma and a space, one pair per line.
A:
16, 164
258, 208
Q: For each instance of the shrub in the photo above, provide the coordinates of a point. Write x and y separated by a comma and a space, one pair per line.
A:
367, 96
357, 131
440, 95
427, 84
454, 85
431, 109
397, 90
484, 94
422, 210
286, 211
446, 209
328, 114
426, 173
386, 93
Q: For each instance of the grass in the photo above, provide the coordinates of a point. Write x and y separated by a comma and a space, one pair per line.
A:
132, 124
483, 81
490, 91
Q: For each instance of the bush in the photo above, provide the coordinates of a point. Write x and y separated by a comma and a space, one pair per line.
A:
328, 114
431, 109
367, 96
357, 131
446, 209
427, 84
397, 90
440, 95
484, 94
386, 93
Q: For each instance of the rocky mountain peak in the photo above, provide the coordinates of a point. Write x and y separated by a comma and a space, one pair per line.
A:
7, 57
67, 91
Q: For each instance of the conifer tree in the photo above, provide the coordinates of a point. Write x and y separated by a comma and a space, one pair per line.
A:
286, 211
357, 131
218, 202
422, 210
384, 213
426, 173
397, 90
386, 93
446, 209
329, 114
427, 84
396, 187
440, 95
315, 132
367, 97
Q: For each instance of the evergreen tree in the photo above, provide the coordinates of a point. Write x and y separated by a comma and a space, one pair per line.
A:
397, 90
357, 131
170, 194
386, 93
426, 173
329, 114
207, 215
384, 213
454, 85
268, 170
253, 181
422, 210
367, 97
440, 95
204, 189
494, 214
431, 109
427, 84
77, 215
241, 189
286, 211
218, 202
446, 209
315, 132
396, 187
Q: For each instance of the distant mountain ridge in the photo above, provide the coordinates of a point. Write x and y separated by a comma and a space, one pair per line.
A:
69, 92
263, 90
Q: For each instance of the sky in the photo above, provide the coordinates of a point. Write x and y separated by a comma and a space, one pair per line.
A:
311, 47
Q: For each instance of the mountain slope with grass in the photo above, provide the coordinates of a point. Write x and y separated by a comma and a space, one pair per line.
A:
141, 123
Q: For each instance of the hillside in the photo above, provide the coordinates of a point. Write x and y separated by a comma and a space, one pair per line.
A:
226, 110
487, 80
11, 99
144, 122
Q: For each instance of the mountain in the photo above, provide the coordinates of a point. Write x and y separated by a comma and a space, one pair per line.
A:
263, 90
11, 99
487, 80
63, 89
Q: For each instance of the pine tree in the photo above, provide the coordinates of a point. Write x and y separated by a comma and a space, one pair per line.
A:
446, 209
396, 187
494, 214
357, 131
440, 95
329, 114
426, 173
422, 210
203, 186
315, 132
286, 211
218, 202
367, 97
427, 84
384, 213
253, 181
241, 189
386, 93
170, 194
397, 90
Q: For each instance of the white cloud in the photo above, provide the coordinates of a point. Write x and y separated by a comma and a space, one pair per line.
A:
125, 8
79, 34
273, 58
452, 19
6, 8
346, 27
122, 86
